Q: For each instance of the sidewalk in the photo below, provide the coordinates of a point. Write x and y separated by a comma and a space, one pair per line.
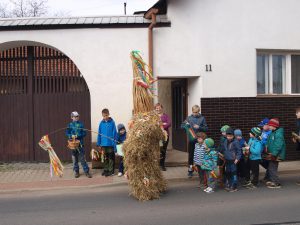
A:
36, 176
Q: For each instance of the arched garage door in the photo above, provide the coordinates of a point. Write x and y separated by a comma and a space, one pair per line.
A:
39, 88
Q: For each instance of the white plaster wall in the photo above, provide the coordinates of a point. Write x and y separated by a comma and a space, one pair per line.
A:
102, 56
226, 35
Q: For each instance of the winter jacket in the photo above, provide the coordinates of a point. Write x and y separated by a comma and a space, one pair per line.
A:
197, 120
165, 119
199, 153
242, 143
264, 137
107, 129
210, 160
76, 128
256, 148
121, 137
276, 144
231, 150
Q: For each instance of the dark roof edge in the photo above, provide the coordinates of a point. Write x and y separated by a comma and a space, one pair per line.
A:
161, 6
81, 26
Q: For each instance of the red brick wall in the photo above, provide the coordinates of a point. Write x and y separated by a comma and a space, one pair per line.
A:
245, 113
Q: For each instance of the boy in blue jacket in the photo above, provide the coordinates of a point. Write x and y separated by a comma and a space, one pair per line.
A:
255, 148
75, 130
238, 135
107, 141
121, 137
232, 153
264, 137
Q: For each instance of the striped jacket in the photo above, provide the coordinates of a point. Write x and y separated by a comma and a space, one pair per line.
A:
199, 154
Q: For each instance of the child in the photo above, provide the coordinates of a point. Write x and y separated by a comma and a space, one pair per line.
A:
255, 148
232, 153
209, 164
276, 152
107, 141
297, 140
198, 158
75, 130
198, 124
121, 137
238, 135
264, 137
166, 123
221, 159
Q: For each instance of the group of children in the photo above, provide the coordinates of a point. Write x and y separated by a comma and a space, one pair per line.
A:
237, 161
108, 137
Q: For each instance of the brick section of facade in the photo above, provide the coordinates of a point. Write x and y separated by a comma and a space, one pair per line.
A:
246, 112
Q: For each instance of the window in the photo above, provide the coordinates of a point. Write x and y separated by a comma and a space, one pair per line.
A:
278, 73
295, 74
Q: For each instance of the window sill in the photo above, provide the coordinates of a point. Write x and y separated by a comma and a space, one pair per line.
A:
277, 95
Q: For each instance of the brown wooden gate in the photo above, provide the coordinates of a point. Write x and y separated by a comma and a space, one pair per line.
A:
39, 88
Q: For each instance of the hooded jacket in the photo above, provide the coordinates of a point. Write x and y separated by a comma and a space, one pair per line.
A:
107, 129
276, 144
231, 150
256, 148
76, 128
197, 120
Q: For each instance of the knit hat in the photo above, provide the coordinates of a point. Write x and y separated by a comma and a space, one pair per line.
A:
238, 132
224, 128
209, 142
274, 122
265, 121
229, 131
74, 114
256, 131
120, 126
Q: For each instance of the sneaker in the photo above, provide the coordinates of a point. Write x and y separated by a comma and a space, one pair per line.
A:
273, 185
120, 174
109, 174
246, 184
88, 175
103, 173
76, 175
251, 186
205, 190
209, 190
233, 190
269, 183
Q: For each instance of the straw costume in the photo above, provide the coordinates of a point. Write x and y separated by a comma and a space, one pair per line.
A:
141, 148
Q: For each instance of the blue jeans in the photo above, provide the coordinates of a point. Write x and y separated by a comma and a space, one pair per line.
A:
121, 166
231, 174
78, 155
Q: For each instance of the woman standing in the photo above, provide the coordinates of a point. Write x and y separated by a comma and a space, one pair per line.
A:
166, 125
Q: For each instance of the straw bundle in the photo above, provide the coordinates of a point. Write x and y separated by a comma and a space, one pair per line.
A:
142, 84
141, 157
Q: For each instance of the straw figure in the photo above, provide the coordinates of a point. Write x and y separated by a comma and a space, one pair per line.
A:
141, 148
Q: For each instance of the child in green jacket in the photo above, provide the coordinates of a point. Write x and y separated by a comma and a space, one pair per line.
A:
275, 152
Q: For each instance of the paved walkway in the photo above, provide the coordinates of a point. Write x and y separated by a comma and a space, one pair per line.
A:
36, 176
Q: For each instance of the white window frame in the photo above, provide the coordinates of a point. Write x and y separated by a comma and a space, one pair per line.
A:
287, 79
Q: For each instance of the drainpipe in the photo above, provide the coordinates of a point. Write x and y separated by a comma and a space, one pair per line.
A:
151, 15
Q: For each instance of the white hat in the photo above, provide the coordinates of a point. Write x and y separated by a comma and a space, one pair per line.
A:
74, 114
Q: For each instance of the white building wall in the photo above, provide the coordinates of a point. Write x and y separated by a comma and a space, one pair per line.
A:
222, 33
226, 35
102, 56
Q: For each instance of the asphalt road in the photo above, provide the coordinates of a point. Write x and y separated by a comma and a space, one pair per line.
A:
183, 204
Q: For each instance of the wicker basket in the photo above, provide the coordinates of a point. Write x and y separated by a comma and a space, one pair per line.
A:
73, 144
